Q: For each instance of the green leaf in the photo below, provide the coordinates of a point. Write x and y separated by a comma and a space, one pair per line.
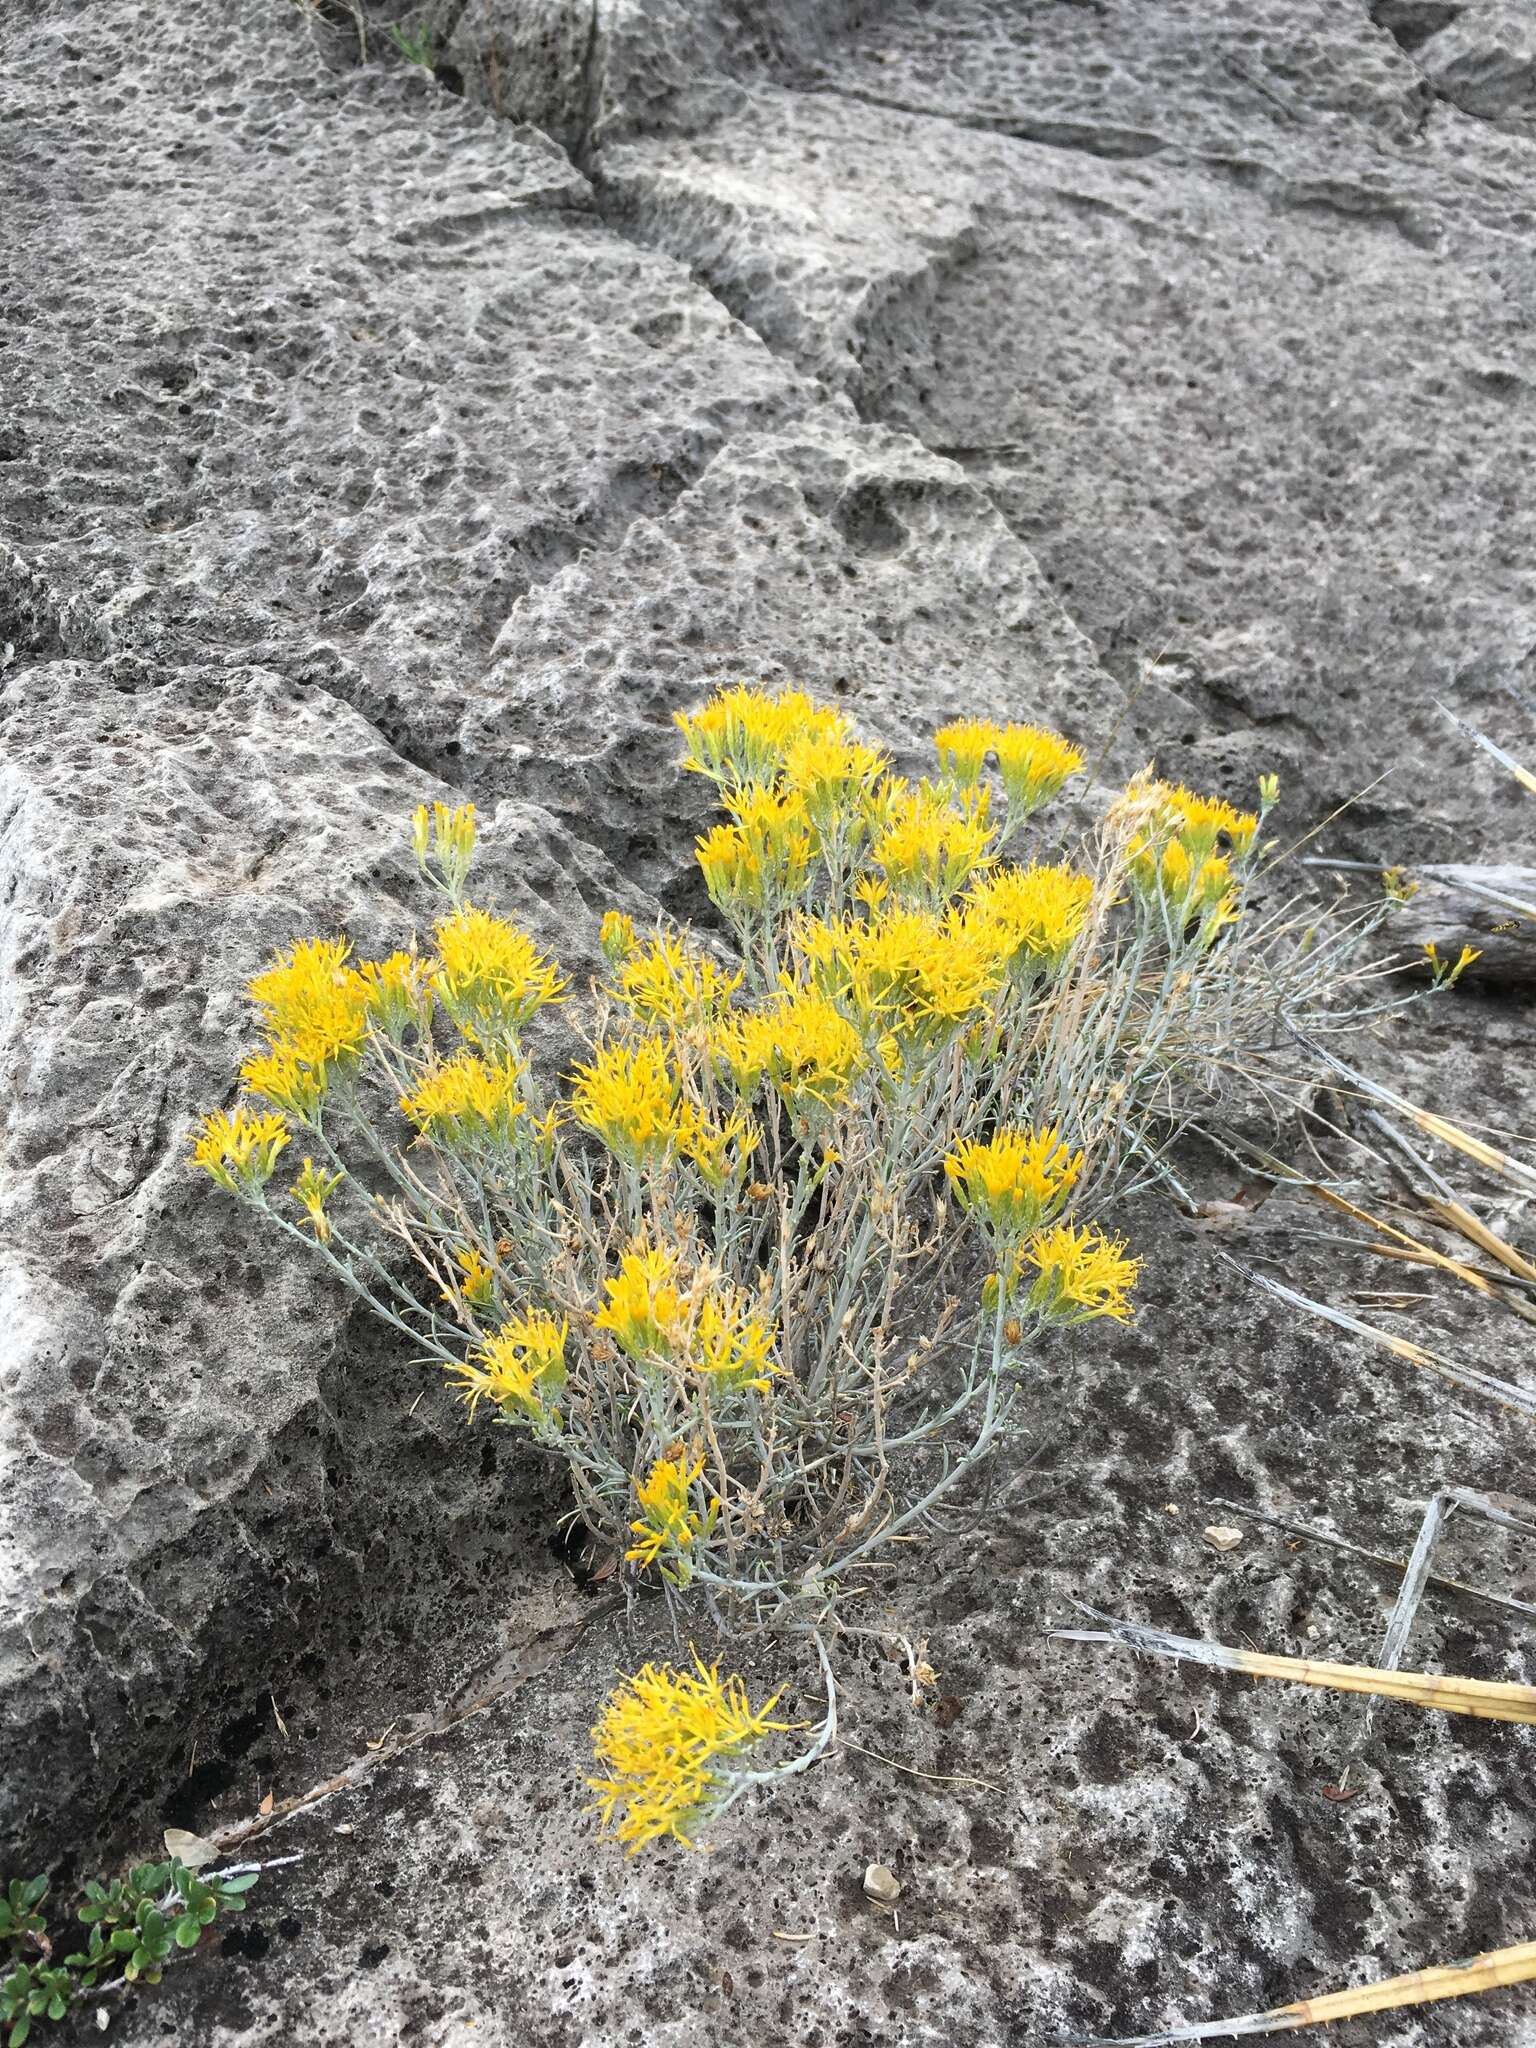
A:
20, 2031
35, 1890
243, 1883
188, 1931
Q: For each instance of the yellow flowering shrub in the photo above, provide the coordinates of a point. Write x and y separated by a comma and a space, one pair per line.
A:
769, 1271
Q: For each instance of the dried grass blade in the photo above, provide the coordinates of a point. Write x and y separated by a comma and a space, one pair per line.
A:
1417, 1250
1475, 1230
1521, 1399
1493, 1971
1483, 1699
1490, 747
1435, 1126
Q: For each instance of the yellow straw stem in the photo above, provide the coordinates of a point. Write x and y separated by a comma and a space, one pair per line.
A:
1490, 1972
1484, 1699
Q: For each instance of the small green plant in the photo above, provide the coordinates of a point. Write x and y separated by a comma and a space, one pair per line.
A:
416, 46
771, 1276
137, 1924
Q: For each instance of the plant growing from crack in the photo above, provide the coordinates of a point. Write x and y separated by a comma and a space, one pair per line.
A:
718, 1276
136, 1925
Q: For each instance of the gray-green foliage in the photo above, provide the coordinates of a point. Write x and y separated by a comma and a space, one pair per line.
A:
136, 1926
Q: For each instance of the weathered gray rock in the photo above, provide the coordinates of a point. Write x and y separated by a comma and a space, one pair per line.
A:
189, 1427
1229, 317
1485, 61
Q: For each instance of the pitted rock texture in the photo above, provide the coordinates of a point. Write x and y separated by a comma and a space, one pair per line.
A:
372, 433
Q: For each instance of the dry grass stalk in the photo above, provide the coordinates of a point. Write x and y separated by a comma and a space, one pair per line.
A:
1482, 1699
1493, 1971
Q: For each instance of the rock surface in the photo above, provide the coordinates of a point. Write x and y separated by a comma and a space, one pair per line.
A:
1158, 368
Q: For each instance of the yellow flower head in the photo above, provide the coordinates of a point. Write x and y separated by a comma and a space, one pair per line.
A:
1079, 1274
280, 1077
671, 983
730, 1345
314, 1007
927, 845
743, 734
1013, 1181
1201, 821
468, 1100
444, 840
963, 747
829, 775
719, 1153
644, 1310
396, 996
661, 1737
617, 936
239, 1150
732, 872
1035, 913
477, 1280
1447, 973
489, 976
629, 1096
666, 1518
801, 1043
1033, 763
776, 828
312, 1190
519, 1369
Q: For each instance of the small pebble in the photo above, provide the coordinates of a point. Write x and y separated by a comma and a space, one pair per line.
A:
881, 1885
1220, 1537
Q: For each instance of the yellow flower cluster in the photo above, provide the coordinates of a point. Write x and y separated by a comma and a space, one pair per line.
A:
1174, 857
1079, 1274
238, 1150
314, 1009
672, 983
1032, 762
666, 1518
713, 1331
661, 1736
729, 1344
801, 1043
444, 840
1034, 914
927, 845
489, 976
468, 1100
396, 995
629, 1095
520, 1369
832, 776
762, 859
1013, 1181
477, 1280
743, 734
907, 971
312, 1190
